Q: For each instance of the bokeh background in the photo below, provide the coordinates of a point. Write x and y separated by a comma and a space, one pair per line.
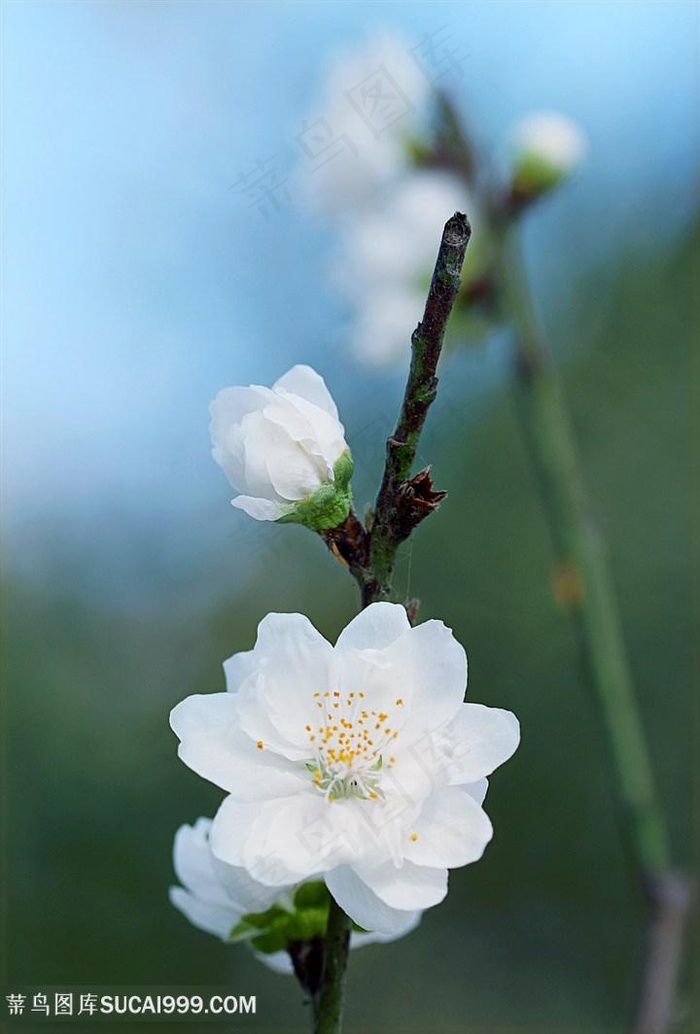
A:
138, 281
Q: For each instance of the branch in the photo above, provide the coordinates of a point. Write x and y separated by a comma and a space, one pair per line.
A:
393, 520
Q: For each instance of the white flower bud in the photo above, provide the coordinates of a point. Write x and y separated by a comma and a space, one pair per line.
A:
548, 146
283, 449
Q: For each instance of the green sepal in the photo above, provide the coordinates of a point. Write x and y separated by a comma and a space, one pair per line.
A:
329, 505
533, 174
271, 931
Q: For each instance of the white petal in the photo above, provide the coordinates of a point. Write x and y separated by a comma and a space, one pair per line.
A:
304, 381
409, 887
277, 961
479, 739
194, 864
227, 410
232, 404
260, 509
433, 670
247, 894
293, 661
374, 628
213, 745
477, 790
366, 909
237, 669
285, 841
452, 830
294, 471
409, 923
327, 436
203, 914
263, 439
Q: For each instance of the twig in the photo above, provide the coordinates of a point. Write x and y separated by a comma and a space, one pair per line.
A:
392, 522
402, 503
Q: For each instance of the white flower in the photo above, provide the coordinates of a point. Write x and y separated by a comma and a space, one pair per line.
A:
283, 448
358, 763
362, 144
547, 146
215, 896
386, 261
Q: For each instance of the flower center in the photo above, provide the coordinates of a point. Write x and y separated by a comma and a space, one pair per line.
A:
350, 745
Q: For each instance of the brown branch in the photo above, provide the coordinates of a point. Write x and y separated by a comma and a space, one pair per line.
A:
395, 511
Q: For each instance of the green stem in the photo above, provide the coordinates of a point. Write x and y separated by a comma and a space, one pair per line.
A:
328, 1004
586, 585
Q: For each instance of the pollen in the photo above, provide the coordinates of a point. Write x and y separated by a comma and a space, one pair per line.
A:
414, 837
259, 744
347, 747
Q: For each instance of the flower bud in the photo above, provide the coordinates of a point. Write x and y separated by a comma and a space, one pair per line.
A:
548, 147
283, 449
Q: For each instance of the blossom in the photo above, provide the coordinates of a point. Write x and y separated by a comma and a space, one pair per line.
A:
283, 448
386, 259
215, 897
358, 146
357, 764
548, 146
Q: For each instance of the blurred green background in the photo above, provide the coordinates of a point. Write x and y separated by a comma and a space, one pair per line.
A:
543, 933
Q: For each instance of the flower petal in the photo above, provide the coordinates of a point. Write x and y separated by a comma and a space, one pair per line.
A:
213, 745
433, 670
452, 830
285, 841
478, 740
193, 863
326, 439
205, 915
374, 628
237, 669
277, 961
292, 661
262, 439
366, 909
304, 381
245, 893
477, 790
260, 509
408, 887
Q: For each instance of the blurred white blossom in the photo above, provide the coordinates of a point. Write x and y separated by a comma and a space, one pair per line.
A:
215, 896
357, 764
372, 106
386, 260
283, 448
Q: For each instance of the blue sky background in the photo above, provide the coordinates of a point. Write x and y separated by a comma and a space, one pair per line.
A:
138, 282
